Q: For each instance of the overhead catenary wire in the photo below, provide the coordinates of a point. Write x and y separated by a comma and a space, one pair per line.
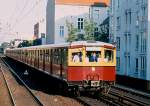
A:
27, 13
22, 10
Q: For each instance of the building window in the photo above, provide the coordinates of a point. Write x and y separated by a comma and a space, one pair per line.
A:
118, 63
96, 14
118, 23
137, 43
130, 16
96, 32
137, 18
143, 66
143, 13
129, 62
118, 3
61, 32
137, 2
126, 16
136, 65
80, 23
118, 43
143, 42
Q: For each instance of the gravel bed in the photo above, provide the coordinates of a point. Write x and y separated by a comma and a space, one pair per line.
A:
55, 100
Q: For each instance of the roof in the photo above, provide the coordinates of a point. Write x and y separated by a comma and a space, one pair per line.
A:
77, 43
83, 2
105, 22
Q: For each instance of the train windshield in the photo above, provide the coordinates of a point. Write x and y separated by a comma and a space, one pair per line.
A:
93, 54
77, 57
108, 57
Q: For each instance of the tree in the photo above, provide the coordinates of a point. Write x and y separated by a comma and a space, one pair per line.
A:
75, 35
25, 43
103, 33
72, 32
89, 30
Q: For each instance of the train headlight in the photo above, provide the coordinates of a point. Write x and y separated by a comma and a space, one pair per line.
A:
93, 68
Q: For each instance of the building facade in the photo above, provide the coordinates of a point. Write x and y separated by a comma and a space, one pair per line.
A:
73, 11
130, 29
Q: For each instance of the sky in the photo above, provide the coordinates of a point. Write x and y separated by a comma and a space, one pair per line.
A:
17, 18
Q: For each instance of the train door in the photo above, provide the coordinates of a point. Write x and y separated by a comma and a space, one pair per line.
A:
63, 60
47, 63
35, 58
44, 57
51, 61
32, 62
40, 60
31, 56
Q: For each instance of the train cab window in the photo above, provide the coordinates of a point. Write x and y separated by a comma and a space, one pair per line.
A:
93, 56
108, 56
77, 57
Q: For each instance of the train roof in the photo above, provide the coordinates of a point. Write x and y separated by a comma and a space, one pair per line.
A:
70, 44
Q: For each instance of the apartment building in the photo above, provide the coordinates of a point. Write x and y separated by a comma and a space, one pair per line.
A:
130, 28
73, 11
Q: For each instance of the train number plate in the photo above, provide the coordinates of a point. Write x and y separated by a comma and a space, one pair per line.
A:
94, 83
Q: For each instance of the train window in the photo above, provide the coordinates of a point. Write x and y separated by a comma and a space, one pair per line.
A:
26, 53
77, 57
38, 55
64, 56
108, 55
56, 56
54, 53
47, 55
41, 54
49, 59
93, 56
30, 53
59, 56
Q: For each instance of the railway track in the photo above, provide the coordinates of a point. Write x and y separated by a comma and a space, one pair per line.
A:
40, 91
88, 101
19, 94
130, 97
10, 99
132, 91
114, 98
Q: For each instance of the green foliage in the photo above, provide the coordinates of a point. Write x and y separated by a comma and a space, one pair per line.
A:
89, 30
25, 43
102, 37
72, 31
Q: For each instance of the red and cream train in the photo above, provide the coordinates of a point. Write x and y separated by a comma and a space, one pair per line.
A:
88, 65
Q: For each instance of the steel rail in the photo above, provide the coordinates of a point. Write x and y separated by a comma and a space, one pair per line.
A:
129, 99
9, 91
108, 100
80, 100
134, 92
28, 89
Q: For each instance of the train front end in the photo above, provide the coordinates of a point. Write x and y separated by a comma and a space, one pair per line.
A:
91, 66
